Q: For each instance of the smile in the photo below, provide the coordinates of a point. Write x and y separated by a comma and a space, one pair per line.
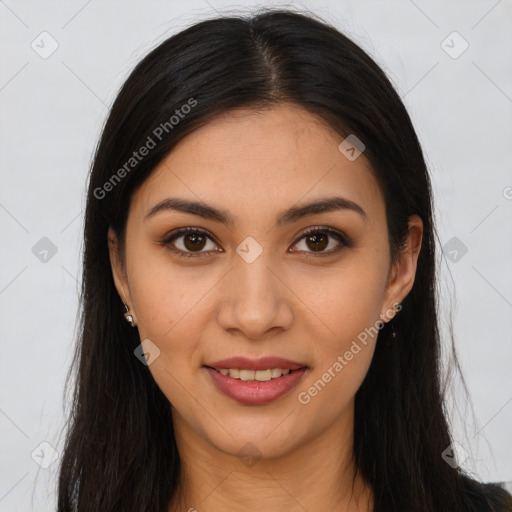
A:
255, 381
250, 375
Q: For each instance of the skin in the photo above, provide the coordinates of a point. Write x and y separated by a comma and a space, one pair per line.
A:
201, 309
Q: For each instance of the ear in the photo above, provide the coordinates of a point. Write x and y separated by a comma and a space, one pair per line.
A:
403, 272
118, 271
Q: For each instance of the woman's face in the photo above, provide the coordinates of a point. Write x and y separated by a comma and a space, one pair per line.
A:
248, 284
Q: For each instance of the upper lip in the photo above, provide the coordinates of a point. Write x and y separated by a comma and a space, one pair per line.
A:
243, 363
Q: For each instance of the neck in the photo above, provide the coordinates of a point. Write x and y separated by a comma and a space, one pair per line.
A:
318, 475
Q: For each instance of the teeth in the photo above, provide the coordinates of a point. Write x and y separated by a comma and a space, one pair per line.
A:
263, 375
246, 374
234, 373
250, 375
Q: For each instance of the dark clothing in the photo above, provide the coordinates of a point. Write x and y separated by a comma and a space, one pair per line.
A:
487, 497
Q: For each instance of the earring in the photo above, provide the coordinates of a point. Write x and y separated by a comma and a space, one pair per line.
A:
396, 307
128, 316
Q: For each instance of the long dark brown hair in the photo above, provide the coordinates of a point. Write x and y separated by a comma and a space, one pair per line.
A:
120, 452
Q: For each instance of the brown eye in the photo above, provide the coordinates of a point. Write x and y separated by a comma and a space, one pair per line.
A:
190, 242
317, 240
194, 242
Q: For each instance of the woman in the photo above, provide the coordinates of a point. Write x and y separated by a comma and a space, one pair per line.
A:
259, 326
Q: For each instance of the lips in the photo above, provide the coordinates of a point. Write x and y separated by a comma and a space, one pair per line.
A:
265, 363
255, 392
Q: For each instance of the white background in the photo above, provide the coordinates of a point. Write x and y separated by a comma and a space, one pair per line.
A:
52, 111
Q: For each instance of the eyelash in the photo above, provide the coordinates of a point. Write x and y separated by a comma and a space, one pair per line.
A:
344, 240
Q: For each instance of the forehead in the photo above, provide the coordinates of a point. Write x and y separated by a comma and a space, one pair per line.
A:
248, 161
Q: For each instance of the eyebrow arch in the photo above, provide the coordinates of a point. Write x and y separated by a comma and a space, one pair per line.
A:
329, 204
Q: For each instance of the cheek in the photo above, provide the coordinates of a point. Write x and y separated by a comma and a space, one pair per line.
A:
347, 299
168, 298
173, 305
348, 303
169, 310
341, 360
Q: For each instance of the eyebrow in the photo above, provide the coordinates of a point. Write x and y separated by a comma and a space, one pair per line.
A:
328, 204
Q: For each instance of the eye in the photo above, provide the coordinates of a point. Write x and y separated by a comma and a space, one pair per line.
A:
193, 242
317, 239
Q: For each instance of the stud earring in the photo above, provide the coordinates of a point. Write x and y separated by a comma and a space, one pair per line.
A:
396, 307
128, 316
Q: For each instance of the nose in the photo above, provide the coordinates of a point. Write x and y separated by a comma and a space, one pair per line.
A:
256, 299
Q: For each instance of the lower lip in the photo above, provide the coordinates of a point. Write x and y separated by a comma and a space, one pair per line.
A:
256, 392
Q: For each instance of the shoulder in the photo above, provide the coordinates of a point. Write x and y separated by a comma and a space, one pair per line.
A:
486, 497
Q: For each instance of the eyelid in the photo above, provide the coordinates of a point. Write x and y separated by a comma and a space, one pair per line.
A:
343, 239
